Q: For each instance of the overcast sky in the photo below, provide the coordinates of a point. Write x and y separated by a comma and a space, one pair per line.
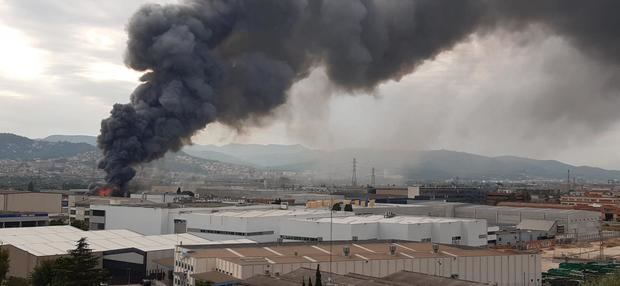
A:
522, 93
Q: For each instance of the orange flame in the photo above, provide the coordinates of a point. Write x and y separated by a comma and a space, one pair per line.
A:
105, 192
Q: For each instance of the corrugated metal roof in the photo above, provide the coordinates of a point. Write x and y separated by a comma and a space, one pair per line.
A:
267, 213
383, 219
536, 224
57, 240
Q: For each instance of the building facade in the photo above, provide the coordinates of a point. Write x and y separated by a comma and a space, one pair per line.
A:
375, 259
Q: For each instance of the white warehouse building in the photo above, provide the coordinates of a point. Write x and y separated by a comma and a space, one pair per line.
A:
470, 232
257, 225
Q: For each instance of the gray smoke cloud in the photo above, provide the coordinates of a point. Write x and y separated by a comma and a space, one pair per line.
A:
234, 61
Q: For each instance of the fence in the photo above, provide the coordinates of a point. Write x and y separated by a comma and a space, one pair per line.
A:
585, 237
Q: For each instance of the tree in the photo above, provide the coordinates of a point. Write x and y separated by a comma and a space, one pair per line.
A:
43, 274
31, 186
79, 224
348, 208
336, 207
608, 280
16, 281
309, 281
317, 279
57, 222
4, 263
80, 268
203, 283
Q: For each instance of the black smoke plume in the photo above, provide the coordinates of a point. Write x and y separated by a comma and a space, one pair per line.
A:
234, 61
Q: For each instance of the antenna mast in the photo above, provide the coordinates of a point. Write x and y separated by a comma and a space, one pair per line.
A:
372, 177
354, 177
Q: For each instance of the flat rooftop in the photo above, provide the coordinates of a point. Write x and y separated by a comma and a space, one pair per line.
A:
402, 278
57, 240
528, 209
269, 212
363, 219
274, 253
141, 203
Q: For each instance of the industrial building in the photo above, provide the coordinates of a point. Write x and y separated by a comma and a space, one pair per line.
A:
160, 197
273, 224
262, 225
23, 219
403, 195
55, 204
456, 231
401, 278
369, 258
121, 251
441, 222
568, 221
220, 222
149, 219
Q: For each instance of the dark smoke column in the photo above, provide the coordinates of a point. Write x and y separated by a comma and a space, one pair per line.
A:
175, 47
233, 61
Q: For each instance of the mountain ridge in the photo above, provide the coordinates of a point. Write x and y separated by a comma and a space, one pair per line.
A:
15, 147
409, 164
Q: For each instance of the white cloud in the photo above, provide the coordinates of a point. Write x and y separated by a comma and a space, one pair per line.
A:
106, 71
19, 59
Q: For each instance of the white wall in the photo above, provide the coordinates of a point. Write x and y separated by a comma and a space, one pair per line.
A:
213, 221
505, 270
439, 232
144, 220
442, 232
474, 233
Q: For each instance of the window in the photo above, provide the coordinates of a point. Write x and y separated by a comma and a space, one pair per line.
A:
97, 226
482, 236
98, 213
86, 212
426, 239
72, 212
223, 232
301, 238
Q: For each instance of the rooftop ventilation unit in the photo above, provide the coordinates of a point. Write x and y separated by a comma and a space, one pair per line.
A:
389, 215
435, 248
346, 250
392, 249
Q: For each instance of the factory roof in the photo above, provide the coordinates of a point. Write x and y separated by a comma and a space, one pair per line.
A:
401, 278
528, 209
363, 219
57, 240
268, 212
536, 224
271, 253
214, 277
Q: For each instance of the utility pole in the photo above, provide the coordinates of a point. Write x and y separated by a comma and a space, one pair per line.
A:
601, 245
354, 177
372, 177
